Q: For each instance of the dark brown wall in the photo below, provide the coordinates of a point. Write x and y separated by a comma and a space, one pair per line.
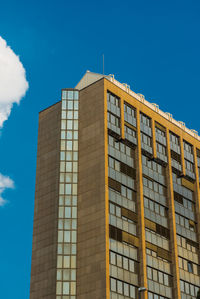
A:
43, 270
91, 258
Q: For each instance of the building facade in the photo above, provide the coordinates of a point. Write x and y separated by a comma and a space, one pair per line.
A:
117, 204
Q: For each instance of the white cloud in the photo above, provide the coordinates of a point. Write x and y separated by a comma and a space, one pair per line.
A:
5, 182
13, 84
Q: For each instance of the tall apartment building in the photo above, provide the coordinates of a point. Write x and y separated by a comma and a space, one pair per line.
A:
117, 205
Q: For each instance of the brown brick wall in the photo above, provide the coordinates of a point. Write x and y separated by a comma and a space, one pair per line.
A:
43, 269
91, 258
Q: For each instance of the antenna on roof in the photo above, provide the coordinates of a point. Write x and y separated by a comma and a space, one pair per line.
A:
103, 64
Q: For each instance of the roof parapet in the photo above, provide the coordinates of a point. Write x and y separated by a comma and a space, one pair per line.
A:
91, 77
155, 108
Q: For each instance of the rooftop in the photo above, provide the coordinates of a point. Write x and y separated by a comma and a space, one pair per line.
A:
91, 77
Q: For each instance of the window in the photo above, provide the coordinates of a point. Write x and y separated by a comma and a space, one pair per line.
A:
156, 187
188, 224
189, 165
114, 120
114, 164
158, 276
159, 131
154, 254
113, 99
123, 262
115, 210
145, 119
146, 139
128, 193
155, 207
119, 146
129, 110
113, 285
157, 239
187, 147
190, 268
161, 149
174, 138
188, 288
187, 193
153, 165
122, 288
130, 131
119, 287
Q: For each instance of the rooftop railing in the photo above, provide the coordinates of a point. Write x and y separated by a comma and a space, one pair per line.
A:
153, 107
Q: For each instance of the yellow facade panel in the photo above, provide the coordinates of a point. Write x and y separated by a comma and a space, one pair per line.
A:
130, 239
106, 195
188, 184
151, 225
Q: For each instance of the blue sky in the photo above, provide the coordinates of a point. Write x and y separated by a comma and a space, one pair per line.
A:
153, 46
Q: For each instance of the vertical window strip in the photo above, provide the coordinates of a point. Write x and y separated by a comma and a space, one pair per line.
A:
68, 186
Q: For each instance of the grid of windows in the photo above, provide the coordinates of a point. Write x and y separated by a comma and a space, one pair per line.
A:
113, 104
123, 262
160, 135
145, 139
190, 246
121, 221
175, 151
156, 239
186, 203
161, 151
128, 193
67, 214
158, 276
130, 134
120, 151
154, 186
155, 201
185, 222
189, 289
113, 99
123, 288
175, 142
113, 122
188, 147
161, 143
155, 261
113, 163
122, 206
146, 143
145, 120
155, 296
155, 207
188, 266
176, 161
124, 198
198, 161
180, 189
115, 174
130, 114
189, 159
153, 170
189, 166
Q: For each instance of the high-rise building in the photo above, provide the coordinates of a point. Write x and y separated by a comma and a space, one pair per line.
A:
117, 204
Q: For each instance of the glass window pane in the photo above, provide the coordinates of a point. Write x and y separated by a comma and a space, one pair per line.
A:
113, 285
66, 263
65, 288
119, 287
